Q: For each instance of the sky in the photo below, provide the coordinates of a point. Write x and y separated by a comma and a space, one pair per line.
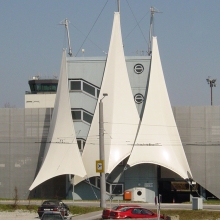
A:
188, 33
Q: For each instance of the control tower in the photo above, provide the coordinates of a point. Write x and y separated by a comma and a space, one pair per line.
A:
42, 93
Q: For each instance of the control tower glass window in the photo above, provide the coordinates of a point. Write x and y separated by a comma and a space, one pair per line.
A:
89, 89
75, 85
76, 115
85, 87
87, 117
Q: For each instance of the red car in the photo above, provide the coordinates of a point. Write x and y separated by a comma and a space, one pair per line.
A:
133, 212
106, 212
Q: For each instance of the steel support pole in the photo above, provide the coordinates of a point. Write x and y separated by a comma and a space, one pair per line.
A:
211, 91
102, 157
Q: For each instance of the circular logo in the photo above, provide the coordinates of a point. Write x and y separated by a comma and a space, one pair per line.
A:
139, 193
138, 68
138, 98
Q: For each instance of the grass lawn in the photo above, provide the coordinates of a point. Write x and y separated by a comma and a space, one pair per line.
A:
192, 214
33, 208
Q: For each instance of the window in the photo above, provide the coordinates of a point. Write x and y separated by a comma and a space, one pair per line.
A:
138, 68
82, 115
76, 115
97, 92
108, 187
112, 188
89, 89
117, 189
81, 144
136, 211
81, 85
75, 85
138, 98
87, 117
92, 180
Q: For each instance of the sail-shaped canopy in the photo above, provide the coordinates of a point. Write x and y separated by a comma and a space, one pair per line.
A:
61, 155
158, 140
120, 113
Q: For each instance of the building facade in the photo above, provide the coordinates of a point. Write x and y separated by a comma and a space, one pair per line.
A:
22, 142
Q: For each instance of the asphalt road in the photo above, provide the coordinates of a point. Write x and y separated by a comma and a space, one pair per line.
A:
109, 205
147, 205
18, 215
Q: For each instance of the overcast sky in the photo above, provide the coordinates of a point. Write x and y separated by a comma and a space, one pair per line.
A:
188, 33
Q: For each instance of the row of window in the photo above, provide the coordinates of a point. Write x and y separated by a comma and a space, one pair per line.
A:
83, 115
43, 87
80, 85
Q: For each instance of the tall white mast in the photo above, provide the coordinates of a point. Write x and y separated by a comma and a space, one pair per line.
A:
65, 22
152, 11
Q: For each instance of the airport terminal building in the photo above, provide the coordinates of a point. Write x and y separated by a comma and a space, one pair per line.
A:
150, 147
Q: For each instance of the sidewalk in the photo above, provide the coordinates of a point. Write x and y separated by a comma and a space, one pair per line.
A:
89, 216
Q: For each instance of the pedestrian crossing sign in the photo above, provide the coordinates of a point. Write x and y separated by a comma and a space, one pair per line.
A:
99, 166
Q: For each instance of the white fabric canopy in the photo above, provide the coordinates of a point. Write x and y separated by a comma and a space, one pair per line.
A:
120, 113
61, 155
158, 140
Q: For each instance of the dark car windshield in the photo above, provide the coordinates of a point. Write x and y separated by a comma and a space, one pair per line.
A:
50, 203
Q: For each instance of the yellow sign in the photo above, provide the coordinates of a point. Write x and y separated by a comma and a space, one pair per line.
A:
99, 166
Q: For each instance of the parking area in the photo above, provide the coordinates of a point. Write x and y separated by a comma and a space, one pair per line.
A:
18, 215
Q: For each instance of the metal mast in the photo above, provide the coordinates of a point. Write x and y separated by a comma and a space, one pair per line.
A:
102, 154
212, 83
118, 5
65, 22
152, 11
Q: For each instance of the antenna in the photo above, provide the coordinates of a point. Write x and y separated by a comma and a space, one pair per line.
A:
119, 6
152, 11
65, 22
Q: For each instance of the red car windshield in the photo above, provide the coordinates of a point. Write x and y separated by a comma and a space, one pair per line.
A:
115, 207
124, 209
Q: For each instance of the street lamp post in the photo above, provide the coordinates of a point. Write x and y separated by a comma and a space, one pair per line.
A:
211, 82
102, 154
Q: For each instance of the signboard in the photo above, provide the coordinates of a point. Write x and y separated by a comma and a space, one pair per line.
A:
99, 166
148, 185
